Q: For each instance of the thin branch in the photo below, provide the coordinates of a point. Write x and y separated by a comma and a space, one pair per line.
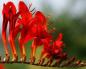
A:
20, 62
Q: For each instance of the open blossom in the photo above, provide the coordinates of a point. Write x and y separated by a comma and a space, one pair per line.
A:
9, 16
22, 25
33, 27
39, 28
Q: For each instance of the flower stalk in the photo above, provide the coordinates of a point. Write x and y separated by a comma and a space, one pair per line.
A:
80, 63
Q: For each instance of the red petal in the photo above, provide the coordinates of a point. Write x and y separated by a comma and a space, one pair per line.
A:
24, 13
7, 7
58, 41
40, 16
59, 37
41, 19
23, 7
24, 18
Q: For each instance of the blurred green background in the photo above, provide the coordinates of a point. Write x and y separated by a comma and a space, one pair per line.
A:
68, 17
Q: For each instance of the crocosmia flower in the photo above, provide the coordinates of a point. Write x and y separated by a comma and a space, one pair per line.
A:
9, 16
22, 25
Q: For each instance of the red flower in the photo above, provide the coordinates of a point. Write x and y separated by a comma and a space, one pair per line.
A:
22, 26
9, 16
32, 28
39, 28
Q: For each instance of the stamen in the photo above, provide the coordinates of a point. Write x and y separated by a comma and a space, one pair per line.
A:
32, 10
20, 17
30, 5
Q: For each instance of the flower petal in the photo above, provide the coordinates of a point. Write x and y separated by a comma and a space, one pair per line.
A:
23, 7
58, 42
7, 7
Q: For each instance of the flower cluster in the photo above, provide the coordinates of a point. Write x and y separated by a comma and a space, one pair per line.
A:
30, 26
